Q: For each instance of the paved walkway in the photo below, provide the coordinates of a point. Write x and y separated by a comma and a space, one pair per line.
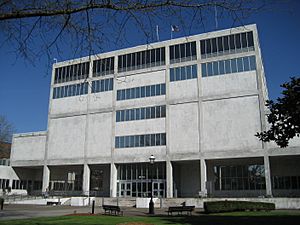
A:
19, 211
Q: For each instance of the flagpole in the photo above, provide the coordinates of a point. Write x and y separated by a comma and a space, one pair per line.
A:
171, 33
157, 34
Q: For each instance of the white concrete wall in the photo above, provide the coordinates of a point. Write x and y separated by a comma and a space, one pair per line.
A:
74, 104
28, 147
142, 154
229, 84
184, 90
100, 101
7, 172
66, 137
138, 80
148, 126
141, 79
184, 129
99, 135
230, 124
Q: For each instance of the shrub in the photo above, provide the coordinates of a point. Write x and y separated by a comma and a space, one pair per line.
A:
231, 206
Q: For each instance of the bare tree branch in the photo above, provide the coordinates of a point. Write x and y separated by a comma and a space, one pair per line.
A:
89, 26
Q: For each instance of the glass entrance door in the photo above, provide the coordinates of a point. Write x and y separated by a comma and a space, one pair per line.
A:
158, 189
125, 189
134, 180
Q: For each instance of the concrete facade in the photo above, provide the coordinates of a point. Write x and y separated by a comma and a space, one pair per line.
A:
209, 124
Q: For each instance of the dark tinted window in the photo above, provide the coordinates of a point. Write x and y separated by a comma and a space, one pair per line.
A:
250, 39
172, 52
104, 67
226, 43
220, 44
193, 48
244, 40
202, 46
183, 52
231, 42
214, 45
142, 59
238, 41
69, 73
208, 46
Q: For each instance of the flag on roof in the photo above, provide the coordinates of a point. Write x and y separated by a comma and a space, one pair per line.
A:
174, 28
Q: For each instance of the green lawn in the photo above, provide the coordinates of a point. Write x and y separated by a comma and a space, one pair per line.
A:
233, 218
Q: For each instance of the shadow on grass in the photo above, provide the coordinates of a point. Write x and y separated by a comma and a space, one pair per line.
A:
232, 220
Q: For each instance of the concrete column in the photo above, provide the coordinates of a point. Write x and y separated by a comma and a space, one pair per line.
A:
203, 177
268, 176
46, 178
10, 183
113, 180
169, 174
86, 179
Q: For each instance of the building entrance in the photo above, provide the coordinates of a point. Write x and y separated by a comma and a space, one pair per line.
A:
134, 180
125, 189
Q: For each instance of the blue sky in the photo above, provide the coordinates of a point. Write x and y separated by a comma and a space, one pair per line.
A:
24, 88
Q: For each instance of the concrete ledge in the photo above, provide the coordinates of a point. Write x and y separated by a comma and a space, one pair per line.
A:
280, 203
30, 134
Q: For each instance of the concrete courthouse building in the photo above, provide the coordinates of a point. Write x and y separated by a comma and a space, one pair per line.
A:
195, 103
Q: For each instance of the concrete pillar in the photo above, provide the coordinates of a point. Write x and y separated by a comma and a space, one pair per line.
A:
10, 183
268, 176
203, 177
169, 175
46, 178
113, 180
86, 179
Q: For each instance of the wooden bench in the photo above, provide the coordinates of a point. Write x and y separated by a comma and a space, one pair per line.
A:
180, 209
112, 210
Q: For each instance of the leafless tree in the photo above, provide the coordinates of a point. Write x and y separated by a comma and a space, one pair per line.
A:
6, 130
35, 28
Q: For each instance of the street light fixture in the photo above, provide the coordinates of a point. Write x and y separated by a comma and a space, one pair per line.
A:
151, 204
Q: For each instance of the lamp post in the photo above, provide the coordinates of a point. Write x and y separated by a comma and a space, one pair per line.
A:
151, 204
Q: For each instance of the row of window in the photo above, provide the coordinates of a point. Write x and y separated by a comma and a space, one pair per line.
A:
141, 113
183, 73
233, 43
73, 72
240, 177
103, 67
27, 185
141, 60
70, 90
286, 182
183, 52
179, 73
102, 85
228, 66
4, 183
4, 162
141, 92
140, 171
140, 140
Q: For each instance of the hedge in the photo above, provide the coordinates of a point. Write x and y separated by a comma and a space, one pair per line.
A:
231, 206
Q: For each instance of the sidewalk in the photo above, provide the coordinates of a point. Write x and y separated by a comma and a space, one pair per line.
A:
30, 211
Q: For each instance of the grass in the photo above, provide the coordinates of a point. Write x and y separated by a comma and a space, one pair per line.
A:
232, 218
